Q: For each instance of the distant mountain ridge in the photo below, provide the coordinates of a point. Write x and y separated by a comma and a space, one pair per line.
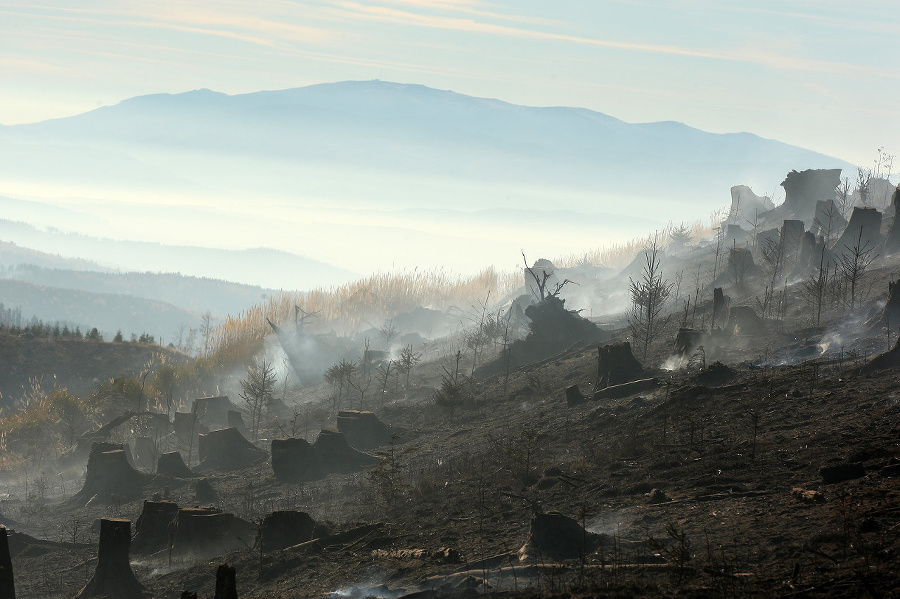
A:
349, 173
263, 264
413, 128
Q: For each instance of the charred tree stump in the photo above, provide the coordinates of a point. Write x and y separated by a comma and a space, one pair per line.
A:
294, 460
616, 365
226, 582
227, 449
172, 464
336, 455
113, 576
7, 584
109, 475
553, 536
687, 341
363, 430
151, 531
285, 529
208, 532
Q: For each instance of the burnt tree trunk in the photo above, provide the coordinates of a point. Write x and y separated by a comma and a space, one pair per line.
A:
7, 585
113, 576
151, 532
172, 464
616, 365
226, 582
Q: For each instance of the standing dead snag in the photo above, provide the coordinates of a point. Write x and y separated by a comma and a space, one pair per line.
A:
542, 279
113, 576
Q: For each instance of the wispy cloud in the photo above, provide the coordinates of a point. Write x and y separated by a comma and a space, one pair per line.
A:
467, 25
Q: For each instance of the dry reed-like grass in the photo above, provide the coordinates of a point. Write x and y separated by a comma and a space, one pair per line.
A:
620, 255
362, 303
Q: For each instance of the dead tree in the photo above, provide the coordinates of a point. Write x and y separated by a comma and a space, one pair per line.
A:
542, 279
113, 576
648, 298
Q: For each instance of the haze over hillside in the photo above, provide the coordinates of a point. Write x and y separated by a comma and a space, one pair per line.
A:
375, 175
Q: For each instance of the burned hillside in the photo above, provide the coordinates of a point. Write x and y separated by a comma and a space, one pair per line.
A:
729, 429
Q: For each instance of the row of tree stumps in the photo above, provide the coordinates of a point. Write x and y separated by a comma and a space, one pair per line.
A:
113, 576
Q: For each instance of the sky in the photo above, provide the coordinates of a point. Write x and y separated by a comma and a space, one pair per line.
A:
821, 74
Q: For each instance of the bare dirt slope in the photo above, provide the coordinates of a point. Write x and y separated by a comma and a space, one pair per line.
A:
698, 490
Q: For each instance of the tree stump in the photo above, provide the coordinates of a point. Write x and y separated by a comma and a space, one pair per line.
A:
687, 341
285, 529
172, 464
227, 449
294, 460
109, 475
336, 455
743, 320
616, 365
226, 582
553, 536
7, 584
363, 430
151, 531
113, 576
207, 532
204, 492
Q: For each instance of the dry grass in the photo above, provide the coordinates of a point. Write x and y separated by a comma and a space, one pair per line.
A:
362, 303
619, 255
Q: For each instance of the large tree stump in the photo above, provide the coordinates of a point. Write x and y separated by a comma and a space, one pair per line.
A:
151, 531
363, 430
227, 449
616, 365
743, 320
336, 455
113, 576
207, 532
555, 537
285, 529
226, 582
172, 464
7, 584
110, 476
294, 460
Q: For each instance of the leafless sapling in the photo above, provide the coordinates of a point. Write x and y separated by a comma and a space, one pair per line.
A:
258, 392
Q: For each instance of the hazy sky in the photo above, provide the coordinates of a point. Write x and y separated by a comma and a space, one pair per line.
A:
821, 74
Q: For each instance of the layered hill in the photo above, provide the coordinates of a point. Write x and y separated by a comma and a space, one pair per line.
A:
370, 174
